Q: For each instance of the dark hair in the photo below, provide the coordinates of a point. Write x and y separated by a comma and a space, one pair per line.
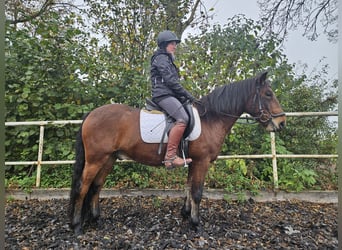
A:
163, 45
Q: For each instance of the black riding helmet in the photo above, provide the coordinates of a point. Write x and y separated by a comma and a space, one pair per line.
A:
165, 37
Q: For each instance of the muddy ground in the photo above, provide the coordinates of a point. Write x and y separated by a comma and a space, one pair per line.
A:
155, 223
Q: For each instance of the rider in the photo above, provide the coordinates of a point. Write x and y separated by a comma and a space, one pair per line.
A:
169, 94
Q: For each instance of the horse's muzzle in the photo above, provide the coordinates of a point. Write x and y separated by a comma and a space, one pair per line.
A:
276, 124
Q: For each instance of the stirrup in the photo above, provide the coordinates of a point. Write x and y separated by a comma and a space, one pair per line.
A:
172, 165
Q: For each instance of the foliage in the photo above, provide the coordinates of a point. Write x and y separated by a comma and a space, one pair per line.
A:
297, 178
128, 32
129, 175
234, 176
142, 20
233, 52
42, 67
311, 135
134, 175
56, 176
22, 181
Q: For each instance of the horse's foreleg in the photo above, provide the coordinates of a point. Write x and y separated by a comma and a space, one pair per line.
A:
196, 177
186, 209
192, 202
196, 197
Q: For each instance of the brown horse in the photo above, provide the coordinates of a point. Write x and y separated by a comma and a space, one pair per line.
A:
111, 132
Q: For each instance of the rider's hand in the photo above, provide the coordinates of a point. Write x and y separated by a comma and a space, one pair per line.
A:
191, 98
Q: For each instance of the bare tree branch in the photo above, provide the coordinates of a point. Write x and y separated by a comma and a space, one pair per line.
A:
279, 16
22, 13
197, 14
192, 14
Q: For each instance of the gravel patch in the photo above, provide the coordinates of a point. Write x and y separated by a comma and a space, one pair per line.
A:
153, 222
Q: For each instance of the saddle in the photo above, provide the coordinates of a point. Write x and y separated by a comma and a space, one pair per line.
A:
184, 145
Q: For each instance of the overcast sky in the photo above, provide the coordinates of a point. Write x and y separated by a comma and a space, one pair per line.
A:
298, 49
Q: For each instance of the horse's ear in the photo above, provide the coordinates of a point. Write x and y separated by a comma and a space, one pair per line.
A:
262, 77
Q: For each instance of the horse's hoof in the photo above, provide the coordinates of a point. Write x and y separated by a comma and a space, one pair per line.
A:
96, 222
78, 230
185, 214
196, 228
194, 222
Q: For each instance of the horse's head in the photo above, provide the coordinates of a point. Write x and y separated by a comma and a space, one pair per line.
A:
265, 107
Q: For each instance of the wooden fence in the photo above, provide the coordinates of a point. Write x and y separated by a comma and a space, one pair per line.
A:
272, 155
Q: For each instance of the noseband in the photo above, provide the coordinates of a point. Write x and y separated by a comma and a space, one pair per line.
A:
264, 115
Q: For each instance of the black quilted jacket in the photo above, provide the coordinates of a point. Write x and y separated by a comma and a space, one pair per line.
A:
165, 77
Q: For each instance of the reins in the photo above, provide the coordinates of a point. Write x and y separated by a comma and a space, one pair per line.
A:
199, 103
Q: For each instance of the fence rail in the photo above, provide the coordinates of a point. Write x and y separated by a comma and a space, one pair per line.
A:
39, 162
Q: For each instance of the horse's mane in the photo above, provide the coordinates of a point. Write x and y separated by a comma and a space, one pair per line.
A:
228, 99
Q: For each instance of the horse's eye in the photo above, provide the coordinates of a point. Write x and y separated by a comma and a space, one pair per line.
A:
268, 93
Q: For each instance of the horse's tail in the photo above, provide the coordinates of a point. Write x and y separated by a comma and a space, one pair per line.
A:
78, 170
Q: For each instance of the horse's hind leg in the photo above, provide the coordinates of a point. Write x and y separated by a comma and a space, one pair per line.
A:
98, 184
88, 175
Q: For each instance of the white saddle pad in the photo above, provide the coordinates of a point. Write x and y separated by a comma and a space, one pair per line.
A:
152, 125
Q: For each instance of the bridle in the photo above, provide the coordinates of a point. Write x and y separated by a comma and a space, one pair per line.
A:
264, 115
